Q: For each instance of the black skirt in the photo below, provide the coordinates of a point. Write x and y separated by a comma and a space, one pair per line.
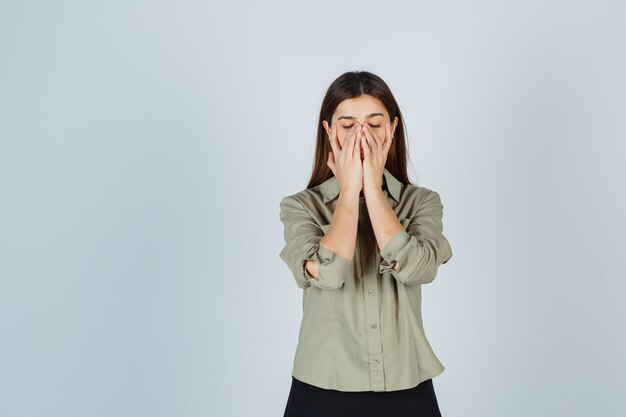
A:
307, 400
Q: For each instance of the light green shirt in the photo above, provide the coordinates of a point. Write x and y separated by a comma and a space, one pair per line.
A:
361, 326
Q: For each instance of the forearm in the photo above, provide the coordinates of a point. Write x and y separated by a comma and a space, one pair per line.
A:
413, 256
341, 234
384, 221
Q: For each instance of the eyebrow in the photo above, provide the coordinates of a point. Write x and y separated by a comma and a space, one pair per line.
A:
367, 117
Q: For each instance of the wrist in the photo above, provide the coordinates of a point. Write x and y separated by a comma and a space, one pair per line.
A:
350, 191
373, 190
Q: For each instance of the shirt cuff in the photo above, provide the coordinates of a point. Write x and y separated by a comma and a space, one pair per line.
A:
390, 251
332, 271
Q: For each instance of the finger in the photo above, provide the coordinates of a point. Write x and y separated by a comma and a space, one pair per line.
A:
367, 144
388, 140
350, 141
372, 139
334, 143
388, 131
366, 148
386, 147
331, 162
357, 146
373, 135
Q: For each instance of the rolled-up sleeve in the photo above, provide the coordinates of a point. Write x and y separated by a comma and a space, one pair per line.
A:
421, 248
302, 236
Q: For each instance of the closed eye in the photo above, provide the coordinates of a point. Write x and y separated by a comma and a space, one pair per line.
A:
350, 127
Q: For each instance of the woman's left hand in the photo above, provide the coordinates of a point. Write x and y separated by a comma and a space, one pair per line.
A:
375, 150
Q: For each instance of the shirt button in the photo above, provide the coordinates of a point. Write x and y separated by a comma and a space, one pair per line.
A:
375, 360
388, 254
371, 292
373, 326
327, 259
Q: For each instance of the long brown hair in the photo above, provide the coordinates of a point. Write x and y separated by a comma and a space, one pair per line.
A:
350, 85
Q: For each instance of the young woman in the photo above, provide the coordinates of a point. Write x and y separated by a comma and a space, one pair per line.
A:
361, 240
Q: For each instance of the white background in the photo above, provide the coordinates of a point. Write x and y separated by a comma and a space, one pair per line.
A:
145, 146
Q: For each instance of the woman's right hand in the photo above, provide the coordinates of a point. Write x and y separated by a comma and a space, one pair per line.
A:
345, 162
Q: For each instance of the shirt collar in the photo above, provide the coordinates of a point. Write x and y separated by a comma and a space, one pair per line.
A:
330, 187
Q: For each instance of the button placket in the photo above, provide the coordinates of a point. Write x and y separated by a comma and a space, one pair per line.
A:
372, 318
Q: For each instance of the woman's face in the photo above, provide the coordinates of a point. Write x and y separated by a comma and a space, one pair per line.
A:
360, 110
